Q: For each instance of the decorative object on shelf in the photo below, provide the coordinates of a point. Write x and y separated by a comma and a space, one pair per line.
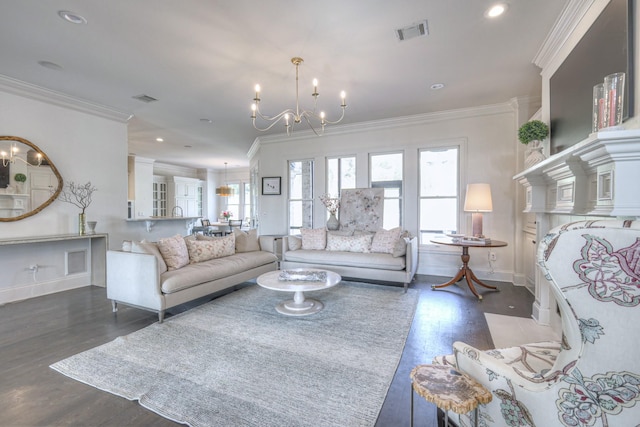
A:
598, 107
271, 186
533, 132
295, 115
332, 204
613, 99
92, 226
226, 215
224, 190
478, 200
80, 195
20, 179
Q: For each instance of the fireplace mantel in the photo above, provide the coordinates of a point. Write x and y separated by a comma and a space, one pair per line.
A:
598, 176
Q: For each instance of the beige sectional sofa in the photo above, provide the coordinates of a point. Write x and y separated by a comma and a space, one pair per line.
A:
388, 255
155, 276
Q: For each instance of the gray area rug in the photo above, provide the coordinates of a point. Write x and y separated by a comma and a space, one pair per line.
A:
235, 361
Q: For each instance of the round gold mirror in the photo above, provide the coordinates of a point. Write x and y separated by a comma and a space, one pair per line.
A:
29, 181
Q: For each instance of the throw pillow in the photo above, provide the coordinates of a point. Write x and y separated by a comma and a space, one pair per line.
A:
400, 249
174, 251
247, 241
217, 247
385, 240
314, 238
360, 243
295, 243
150, 248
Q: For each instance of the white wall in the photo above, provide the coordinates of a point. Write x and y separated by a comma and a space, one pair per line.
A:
488, 136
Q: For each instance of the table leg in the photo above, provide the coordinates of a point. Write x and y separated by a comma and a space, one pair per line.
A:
466, 273
411, 413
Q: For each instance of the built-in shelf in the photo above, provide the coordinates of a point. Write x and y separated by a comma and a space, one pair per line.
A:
598, 176
150, 222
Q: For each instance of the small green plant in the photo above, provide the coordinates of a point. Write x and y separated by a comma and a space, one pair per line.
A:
20, 177
535, 130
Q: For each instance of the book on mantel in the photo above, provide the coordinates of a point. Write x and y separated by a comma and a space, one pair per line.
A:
476, 240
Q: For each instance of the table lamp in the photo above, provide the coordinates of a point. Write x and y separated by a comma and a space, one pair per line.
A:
478, 200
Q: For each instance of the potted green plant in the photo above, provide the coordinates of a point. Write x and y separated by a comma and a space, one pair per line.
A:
20, 178
533, 132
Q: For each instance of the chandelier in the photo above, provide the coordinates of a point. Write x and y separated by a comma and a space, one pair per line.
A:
224, 190
12, 156
315, 120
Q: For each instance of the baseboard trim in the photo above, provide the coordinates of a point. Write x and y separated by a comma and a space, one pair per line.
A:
22, 292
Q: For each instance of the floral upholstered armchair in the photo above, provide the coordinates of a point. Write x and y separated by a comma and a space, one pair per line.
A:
591, 378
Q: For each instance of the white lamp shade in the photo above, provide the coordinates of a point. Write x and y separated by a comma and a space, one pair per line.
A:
478, 198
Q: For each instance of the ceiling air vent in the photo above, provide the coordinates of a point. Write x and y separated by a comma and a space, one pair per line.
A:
419, 29
145, 98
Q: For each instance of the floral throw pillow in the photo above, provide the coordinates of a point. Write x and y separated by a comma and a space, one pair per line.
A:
359, 243
217, 247
314, 238
174, 251
384, 241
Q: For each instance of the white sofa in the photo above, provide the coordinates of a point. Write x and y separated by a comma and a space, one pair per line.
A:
137, 279
354, 264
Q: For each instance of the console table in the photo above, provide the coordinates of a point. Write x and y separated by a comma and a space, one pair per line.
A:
39, 265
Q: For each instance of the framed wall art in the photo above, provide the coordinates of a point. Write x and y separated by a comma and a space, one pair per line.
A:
271, 185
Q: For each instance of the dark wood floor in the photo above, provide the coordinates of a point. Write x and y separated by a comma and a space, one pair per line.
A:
38, 332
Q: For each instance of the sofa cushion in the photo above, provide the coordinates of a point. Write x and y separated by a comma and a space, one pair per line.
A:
361, 243
204, 250
213, 269
314, 238
385, 240
295, 243
150, 248
351, 259
247, 241
174, 251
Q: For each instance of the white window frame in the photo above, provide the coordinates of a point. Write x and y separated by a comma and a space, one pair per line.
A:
401, 196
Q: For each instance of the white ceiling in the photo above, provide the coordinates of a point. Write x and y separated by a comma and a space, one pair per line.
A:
202, 58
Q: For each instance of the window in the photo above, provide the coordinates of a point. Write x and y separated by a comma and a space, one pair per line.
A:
341, 173
387, 172
300, 195
233, 202
247, 204
439, 191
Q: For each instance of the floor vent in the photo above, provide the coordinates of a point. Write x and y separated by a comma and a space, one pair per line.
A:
76, 262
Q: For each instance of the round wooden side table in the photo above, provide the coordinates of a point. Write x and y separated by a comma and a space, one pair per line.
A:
449, 389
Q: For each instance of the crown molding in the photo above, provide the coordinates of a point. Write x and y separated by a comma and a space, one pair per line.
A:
573, 22
38, 93
385, 124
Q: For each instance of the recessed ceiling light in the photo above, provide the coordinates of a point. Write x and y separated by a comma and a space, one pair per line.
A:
437, 86
159, 139
496, 10
74, 18
50, 65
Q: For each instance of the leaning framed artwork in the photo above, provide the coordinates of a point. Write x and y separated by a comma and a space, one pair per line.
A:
271, 185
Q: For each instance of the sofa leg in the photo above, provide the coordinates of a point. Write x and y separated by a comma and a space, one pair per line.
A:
406, 286
161, 316
114, 305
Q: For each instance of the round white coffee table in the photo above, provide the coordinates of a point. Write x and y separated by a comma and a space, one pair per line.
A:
299, 305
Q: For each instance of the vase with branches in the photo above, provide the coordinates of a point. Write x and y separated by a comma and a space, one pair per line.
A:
332, 204
81, 196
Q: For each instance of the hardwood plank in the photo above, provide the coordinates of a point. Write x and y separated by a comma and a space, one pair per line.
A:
38, 332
